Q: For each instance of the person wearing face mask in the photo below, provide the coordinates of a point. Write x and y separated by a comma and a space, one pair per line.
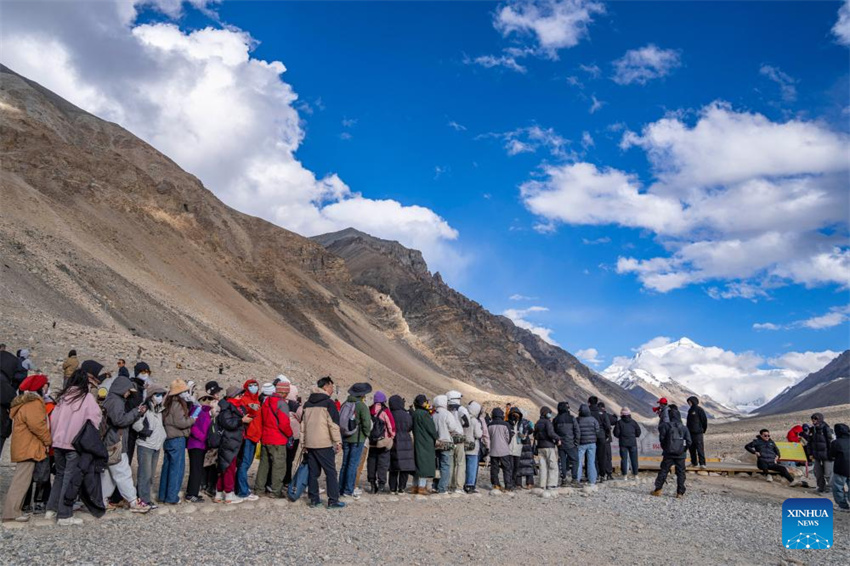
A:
178, 416
140, 380
547, 448
250, 403
150, 436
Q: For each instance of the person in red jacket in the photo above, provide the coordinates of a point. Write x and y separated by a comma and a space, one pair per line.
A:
250, 404
276, 433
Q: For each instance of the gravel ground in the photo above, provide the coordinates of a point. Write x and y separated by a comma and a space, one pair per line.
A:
721, 520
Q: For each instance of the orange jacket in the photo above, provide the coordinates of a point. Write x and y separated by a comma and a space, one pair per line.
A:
250, 402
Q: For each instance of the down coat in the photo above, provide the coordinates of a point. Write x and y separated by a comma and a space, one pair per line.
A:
402, 455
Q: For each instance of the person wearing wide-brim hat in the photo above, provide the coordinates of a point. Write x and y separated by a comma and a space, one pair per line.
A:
355, 432
178, 420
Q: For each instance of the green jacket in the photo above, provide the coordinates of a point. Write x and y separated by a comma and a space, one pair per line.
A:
364, 420
424, 437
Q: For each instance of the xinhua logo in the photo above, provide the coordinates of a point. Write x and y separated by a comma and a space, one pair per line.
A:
807, 523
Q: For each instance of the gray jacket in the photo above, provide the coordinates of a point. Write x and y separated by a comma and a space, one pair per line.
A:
118, 419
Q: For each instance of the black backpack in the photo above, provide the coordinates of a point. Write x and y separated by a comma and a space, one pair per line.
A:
379, 430
213, 436
676, 443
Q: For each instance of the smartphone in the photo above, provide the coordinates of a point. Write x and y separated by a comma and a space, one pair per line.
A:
196, 412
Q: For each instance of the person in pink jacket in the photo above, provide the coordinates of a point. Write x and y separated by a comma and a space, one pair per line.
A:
380, 442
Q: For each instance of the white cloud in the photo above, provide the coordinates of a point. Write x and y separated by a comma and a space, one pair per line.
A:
553, 24
766, 326
597, 241
785, 82
457, 127
589, 355
835, 317
645, 64
530, 139
201, 98
593, 70
656, 342
841, 29
735, 379
596, 104
489, 61
519, 317
587, 140
518, 297
737, 198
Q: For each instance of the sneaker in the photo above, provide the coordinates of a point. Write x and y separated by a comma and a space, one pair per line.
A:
113, 506
194, 499
656, 493
460, 491
322, 490
768, 478
250, 497
152, 505
357, 491
38, 509
77, 506
50, 514
232, 498
703, 467
680, 495
211, 493
314, 504
337, 505
139, 506
219, 497
269, 489
22, 518
70, 521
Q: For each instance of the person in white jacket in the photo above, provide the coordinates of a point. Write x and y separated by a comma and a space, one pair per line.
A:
447, 427
151, 437
475, 435
457, 471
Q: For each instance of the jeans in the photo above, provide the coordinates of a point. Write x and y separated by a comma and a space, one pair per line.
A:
666, 463
351, 453
66, 464
568, 461
590, 451
628, 455
146, 458
471, 470
838, 484
173, 468
445, 458
249, 447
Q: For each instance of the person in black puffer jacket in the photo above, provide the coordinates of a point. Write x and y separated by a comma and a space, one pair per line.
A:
819, 439
402, 462
839, 451
547, 449
588, 428
628, 431
231, 421
697, 426
767, 454
566, 428
674, 439
603, 438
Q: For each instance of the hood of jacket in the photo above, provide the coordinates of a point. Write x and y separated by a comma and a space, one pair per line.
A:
584, 411
497, 414
676, 417
819, 417
120, 386
25, 354
317, 396
563, 408
22, 400
694, 400
441, 402
474, 409
515, 412
293, 392
842, 430
396, 403
626, 418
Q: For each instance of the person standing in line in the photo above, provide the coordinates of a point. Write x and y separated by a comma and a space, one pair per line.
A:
402, 454
150, 436
474, 437
355, 424
250, 402
819, 438
178, 417
425, 437
697, 426
547, 448
381, 440
230, 423
588, 428
501, 433
295, 416
277, 431
457, 467
839, 451
196, 445
567, 430
321, 441
447, 428
603, 436
675, 439
627, 430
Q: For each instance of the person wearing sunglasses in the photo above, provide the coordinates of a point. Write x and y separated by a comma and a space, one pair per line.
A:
767, 454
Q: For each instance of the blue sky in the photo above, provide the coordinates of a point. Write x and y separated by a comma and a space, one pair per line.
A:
565, 152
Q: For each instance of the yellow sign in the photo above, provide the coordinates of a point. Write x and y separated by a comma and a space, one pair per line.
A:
791, 451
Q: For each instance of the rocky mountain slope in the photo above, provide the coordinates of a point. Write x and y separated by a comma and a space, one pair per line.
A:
110, 239
824, 388
650, 386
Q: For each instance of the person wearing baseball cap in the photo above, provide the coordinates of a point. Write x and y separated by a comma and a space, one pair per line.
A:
662, 410
213, 389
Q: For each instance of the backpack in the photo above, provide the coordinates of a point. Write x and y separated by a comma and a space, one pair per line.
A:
379, 428
348, 419
676, 443
213, 435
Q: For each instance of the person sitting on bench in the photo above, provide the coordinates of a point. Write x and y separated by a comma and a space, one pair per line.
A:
768, 455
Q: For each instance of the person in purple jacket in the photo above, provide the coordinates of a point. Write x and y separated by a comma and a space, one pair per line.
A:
197, 445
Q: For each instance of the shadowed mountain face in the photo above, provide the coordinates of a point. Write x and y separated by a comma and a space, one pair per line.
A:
466, 339
106, 235
826, 387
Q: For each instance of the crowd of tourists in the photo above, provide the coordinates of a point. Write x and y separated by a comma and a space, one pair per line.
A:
75, 449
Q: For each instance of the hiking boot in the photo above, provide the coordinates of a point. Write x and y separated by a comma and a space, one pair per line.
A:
374, 487
219, 497
609, 477
232, 499
139, 506
38, 509
336, 505
656, 493
69, 522
680, 495
795, 482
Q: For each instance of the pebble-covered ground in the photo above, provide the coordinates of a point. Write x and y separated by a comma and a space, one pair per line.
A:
720, 521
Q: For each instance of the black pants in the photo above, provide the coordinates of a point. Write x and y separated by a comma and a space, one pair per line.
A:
210, 478
769, 467
132, 436
506, 465
600, 458
398, 480
319, 460
568, 462
697, 449
290, 458
666, 463
196, 471
377, 465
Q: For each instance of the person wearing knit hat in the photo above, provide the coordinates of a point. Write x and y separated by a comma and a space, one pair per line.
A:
280, 377
628, 431
30, 442
274, 438
380, 442
267, 390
